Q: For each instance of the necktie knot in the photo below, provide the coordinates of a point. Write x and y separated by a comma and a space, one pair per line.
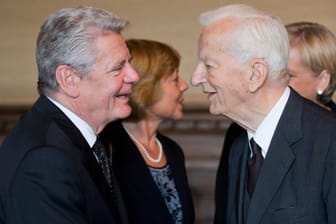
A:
255, 147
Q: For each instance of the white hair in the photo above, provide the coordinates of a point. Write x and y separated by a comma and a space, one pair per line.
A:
255, 35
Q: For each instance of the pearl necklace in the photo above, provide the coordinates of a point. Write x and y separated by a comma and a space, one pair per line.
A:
144, 150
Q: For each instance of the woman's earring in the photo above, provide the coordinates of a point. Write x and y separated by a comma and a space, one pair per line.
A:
319, 92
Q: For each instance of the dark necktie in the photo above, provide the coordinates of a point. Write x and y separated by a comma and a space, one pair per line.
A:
105, 164
254, 166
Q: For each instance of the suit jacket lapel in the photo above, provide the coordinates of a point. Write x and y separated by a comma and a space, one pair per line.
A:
237, 175
242, 206
82, 151
278, 160
75, 136
86, 155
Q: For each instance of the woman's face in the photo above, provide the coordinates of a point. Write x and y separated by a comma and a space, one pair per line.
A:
170, 104
301, 77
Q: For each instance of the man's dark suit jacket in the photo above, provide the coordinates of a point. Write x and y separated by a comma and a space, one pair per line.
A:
297, 183
143, 200
49, 174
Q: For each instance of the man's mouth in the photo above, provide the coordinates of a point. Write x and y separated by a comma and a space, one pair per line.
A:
209, 92
123, 95
181, 100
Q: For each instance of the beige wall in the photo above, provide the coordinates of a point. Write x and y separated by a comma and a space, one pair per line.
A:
171, 21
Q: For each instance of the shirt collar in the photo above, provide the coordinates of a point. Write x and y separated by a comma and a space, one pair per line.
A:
83, 127
266, 129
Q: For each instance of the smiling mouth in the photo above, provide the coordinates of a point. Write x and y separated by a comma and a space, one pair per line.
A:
123, 95
181, 100
209, 93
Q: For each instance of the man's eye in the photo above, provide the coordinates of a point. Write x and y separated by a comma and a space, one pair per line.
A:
115, 71
208, 67
291, 75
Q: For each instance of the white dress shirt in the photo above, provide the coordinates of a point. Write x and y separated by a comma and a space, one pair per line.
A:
83, 127
264, 133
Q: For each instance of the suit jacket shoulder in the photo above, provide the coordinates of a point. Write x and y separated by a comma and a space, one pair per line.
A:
46, 164
298, 167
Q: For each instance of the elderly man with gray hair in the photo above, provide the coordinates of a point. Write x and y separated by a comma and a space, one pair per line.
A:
51, 169
282, 168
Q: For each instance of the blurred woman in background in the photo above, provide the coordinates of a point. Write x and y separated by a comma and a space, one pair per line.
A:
150, 167
312, 62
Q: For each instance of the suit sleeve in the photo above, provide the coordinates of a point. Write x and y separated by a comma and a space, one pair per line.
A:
46, 189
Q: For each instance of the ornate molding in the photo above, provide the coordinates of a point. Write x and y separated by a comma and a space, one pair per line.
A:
196, 119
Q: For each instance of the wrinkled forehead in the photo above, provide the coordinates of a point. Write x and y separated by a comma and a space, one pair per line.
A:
213, 40
210, 42
218, 32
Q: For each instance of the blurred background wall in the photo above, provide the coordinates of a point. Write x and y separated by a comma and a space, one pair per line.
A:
174, 22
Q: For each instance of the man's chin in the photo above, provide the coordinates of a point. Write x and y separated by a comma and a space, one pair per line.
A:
125, 112
213, 110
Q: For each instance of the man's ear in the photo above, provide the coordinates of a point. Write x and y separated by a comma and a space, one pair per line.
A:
68, 80
258, 74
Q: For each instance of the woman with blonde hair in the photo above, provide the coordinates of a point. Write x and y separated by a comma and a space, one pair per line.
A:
312, 62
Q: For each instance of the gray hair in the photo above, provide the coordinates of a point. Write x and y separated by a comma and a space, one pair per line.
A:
256, 35
68, 37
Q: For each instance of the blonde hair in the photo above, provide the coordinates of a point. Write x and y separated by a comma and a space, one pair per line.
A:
317, 47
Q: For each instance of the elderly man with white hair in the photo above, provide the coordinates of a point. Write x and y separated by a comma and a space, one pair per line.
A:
282, 168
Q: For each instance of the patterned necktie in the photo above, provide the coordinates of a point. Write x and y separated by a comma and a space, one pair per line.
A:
105, 164
103, 160
254, 166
